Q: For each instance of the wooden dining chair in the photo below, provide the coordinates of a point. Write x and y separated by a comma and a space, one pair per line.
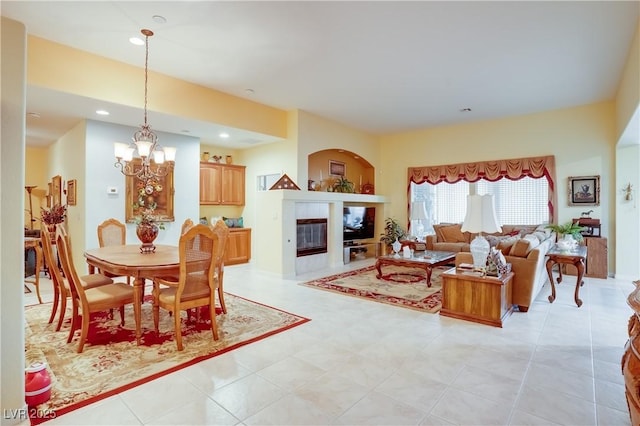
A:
195, 285
188, 223
222, 231
88, 300
112, 232
61, 290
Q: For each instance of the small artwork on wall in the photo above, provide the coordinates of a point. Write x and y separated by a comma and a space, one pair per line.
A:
71, 192
584, 190
56, 190
337, 168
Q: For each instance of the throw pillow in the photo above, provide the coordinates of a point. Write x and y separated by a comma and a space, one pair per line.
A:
506, 244
453, 234
233, 222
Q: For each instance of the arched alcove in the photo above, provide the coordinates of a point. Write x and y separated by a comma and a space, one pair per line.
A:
325, 167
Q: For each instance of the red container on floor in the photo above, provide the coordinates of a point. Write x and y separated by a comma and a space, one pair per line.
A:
37, 384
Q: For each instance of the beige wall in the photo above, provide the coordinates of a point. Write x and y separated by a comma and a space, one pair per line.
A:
64, 156
582, 140
628, 96
12, 156
36, 173
58, 67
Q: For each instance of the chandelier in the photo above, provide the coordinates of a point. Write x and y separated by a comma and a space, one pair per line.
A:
155, 161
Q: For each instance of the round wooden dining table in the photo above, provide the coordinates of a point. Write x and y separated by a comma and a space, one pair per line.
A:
127, 260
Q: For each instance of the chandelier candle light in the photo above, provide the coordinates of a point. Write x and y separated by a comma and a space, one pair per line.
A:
481, 217
145, 141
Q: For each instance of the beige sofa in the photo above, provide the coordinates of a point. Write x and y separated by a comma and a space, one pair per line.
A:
524, 248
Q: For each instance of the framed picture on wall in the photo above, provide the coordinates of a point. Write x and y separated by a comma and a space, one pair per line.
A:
71, 192
584, 190
56, 190
156, 195
337, 168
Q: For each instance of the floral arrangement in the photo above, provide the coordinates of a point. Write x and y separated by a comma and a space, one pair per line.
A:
147, 216
147, 194
54, 215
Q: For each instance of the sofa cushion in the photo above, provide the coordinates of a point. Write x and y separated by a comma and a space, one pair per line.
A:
524, 245
452, 234
506, 244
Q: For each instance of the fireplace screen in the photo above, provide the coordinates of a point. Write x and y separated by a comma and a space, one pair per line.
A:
311, 236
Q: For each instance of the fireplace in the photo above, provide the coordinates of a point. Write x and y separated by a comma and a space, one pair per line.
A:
311, 236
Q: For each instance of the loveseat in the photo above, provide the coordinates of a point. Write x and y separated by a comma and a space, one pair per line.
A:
524, 247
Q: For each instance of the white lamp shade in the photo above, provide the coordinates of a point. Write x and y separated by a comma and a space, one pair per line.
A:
418, 211
158, 156
119, 149
144, 148
170, 153
128, 153
481, 215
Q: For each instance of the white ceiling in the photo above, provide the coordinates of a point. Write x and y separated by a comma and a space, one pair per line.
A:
377, 66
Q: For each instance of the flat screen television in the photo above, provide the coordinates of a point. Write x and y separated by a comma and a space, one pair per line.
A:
358, 223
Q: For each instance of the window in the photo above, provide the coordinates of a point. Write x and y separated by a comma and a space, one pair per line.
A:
519, 202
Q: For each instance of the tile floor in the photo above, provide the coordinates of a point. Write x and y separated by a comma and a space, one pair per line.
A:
364, 363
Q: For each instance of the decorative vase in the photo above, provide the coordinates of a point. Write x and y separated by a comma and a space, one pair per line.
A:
51, 229
229, 159
205, 156
37, 384
396, 246
147, 233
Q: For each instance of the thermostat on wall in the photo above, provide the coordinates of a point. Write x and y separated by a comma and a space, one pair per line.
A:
112, 190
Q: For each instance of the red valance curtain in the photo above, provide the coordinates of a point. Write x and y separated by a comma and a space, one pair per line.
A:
514, 169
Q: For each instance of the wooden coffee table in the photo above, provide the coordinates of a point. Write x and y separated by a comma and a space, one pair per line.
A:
426, 260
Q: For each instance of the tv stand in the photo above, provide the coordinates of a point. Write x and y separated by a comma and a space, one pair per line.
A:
358, 249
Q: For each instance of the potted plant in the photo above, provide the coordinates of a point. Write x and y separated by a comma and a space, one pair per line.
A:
392, 231
569, 228
343, 185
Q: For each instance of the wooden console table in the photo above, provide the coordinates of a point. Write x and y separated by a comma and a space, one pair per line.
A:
575, 257
473, 297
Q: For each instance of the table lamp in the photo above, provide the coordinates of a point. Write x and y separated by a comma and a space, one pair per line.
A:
418, 213
481, 217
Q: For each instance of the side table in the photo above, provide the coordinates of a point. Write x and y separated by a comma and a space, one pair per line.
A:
573, 257
473, 297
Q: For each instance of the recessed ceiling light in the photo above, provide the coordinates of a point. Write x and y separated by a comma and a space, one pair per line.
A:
224, 135
34, 114
159, 19
102, 112
249, 91
137, 41
465, 109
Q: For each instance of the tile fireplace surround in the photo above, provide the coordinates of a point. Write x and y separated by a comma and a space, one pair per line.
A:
279, 227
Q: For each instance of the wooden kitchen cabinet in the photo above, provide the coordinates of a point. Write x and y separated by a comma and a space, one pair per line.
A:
597, 264
221, 184
238, 248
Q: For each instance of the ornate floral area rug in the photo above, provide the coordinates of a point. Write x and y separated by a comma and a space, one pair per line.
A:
406, 287
112, 362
